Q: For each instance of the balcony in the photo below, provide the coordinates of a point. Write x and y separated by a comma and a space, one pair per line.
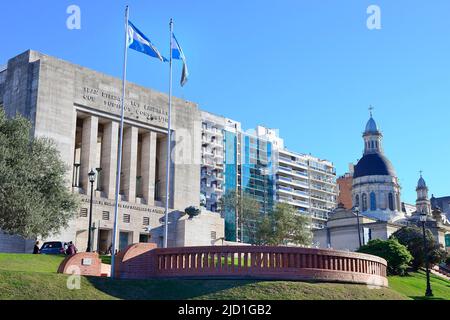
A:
292, 162
285, 168
207, 162
321, 179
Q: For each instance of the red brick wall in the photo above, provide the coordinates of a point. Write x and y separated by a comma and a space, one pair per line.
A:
345, 191
240, 262
77, 260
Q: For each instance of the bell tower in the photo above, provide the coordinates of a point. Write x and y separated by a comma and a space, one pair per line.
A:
422, 202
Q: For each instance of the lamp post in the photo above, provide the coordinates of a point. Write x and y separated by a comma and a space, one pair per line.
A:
423, 219
91, 175
356, 210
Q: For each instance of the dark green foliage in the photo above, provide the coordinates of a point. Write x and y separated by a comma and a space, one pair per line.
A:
412, 238
284, 226
248, 212
34, 198
396, 254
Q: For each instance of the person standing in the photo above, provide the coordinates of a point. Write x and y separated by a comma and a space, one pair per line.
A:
71, 250
36, 248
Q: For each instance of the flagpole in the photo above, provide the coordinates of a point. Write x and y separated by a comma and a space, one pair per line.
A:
119, 159
169, 144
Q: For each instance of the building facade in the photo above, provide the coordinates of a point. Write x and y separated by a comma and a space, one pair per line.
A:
376, 210
375, 187
257, 163
308, 183
80, 110
344, 184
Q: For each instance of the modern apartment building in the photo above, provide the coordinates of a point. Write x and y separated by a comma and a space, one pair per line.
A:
257, 163
308, 183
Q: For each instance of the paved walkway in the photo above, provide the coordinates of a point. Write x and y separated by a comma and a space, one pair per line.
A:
436, 273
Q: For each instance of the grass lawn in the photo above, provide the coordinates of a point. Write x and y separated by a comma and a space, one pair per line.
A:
31, 285
30, 262
414, 286
34, 277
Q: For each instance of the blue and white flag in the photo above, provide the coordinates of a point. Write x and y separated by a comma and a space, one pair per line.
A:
138, 41
178, 54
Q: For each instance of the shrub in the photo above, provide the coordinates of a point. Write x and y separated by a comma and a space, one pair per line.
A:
412, 238
192, 211
397, 255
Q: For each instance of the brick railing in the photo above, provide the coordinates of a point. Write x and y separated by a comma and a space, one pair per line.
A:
257, 262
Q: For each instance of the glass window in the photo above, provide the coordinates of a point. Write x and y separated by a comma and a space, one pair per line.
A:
357, 200
373, 201
391, 201
364, 202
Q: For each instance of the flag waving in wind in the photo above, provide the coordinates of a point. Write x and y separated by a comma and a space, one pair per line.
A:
178, 54
138, 41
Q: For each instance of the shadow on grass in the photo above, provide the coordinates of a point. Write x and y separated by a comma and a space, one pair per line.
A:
164, 289
425, 298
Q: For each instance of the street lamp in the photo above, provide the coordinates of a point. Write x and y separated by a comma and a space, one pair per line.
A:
423, 219
91, 175
356, 210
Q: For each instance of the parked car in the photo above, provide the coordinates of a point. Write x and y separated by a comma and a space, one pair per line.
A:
54, 247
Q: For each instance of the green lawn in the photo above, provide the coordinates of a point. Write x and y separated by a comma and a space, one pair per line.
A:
34, 277
414, 285
30, 262
30, 285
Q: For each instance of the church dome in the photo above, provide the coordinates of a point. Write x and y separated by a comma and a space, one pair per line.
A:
421, 183
371, 126
373, 164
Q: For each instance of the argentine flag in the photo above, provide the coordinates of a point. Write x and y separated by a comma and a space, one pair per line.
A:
138, 41
178, 54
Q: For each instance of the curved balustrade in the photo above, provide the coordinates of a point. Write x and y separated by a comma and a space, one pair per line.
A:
261, 262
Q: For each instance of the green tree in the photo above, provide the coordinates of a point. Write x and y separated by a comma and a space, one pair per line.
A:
247, 209
412, 238
284, 226
34, 198
397, 255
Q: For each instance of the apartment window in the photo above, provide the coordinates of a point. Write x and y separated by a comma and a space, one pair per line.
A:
146, 221
126, 218
213, 235
105, 215
83, 212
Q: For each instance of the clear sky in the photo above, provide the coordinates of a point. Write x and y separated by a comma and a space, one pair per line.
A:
309, 68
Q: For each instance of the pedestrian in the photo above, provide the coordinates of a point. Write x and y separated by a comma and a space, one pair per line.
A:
36, 249
71, 249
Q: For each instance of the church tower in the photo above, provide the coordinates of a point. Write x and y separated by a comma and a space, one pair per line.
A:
422, 202
375, 188
372, 137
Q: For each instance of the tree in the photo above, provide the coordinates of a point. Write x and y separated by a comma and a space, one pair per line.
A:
34, 198
284, 226
247, 210
397, 255
412, 238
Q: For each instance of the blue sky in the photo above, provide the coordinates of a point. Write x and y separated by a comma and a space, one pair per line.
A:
308, 68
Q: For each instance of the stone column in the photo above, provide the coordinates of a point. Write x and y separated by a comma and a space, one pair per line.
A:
109, 158
148, 166
88, 151
129, 163
162, 157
